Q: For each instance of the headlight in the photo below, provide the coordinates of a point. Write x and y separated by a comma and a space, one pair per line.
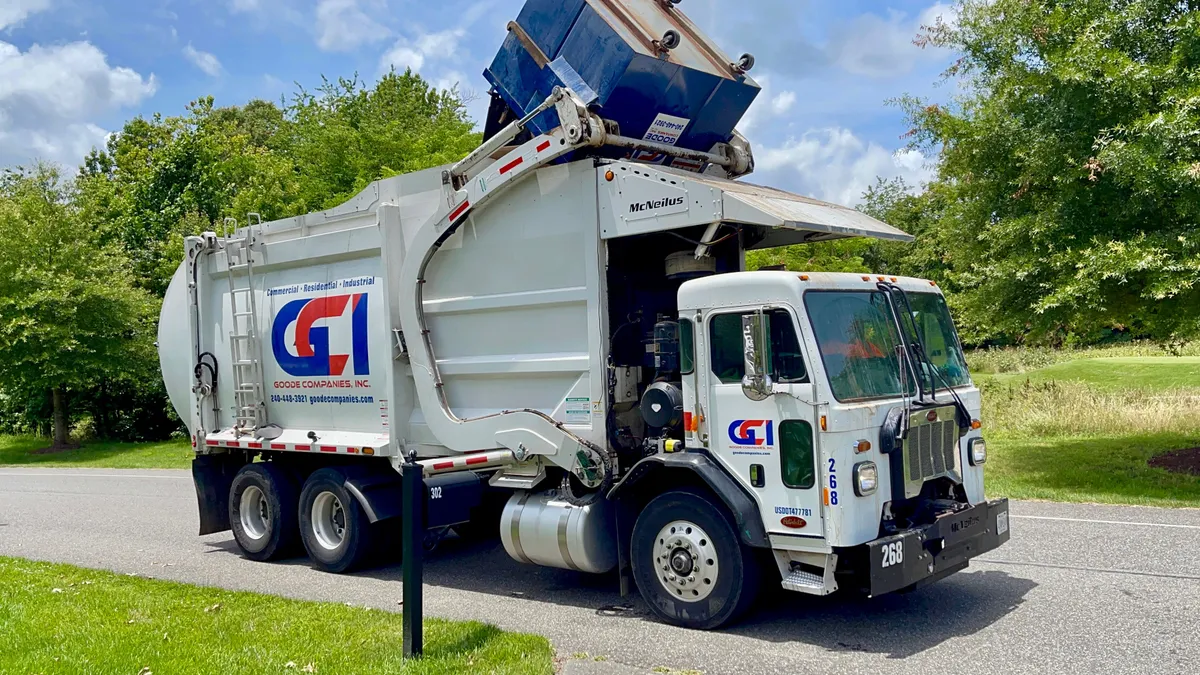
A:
866, 478
978, 452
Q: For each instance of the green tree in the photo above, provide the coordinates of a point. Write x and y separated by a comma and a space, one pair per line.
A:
70, 313
1069, 185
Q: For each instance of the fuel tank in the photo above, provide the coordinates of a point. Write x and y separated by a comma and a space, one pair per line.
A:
540, 528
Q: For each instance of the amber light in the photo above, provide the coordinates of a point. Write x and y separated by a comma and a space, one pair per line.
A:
976, 424
866, 278
368, 451
825, 496
803, 277
609, 176
824, 424
862, 446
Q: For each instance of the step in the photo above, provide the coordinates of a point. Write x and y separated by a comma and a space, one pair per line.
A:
805, 582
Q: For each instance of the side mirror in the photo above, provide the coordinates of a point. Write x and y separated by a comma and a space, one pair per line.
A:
756, 383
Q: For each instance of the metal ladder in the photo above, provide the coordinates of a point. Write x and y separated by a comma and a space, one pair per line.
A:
250, 412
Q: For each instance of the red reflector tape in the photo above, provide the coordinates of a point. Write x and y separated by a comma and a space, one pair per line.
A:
476, 460
233, 444
443, 465
211, 442
305, 448
544, 146
512, 165
462, 208
328, 448
278, 446
254, 445
352, 451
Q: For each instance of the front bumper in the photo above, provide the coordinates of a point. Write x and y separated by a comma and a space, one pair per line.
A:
928, 553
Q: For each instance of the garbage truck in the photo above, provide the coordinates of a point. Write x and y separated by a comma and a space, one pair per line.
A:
561, 331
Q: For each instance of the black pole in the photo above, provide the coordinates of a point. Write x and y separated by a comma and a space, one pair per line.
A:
413, 550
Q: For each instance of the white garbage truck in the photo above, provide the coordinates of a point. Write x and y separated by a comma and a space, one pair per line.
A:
560, 330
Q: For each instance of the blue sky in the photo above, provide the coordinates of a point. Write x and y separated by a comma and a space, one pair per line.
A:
72, 71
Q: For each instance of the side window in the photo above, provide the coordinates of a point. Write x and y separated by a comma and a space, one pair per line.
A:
687, 346
784, 353
798, 464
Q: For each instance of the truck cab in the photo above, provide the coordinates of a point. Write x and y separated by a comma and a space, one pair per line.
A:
841, 404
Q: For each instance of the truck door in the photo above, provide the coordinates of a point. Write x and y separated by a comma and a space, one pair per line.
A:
770, 445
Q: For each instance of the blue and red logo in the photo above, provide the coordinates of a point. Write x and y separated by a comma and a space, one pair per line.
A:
311, 357
752, 432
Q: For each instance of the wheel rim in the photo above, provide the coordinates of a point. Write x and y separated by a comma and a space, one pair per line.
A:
255, 513
328, 521
685, 561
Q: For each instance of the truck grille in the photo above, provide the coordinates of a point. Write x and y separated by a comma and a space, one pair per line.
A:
930, 449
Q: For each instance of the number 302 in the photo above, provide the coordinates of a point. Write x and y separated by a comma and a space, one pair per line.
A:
893, 554
833, 497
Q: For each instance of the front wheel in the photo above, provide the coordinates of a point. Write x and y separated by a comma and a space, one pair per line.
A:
688, 563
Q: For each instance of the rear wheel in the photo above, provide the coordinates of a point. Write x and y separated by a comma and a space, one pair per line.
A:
333, 527
688, 563
262, 512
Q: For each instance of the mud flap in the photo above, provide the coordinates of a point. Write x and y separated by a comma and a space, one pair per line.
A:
213, 474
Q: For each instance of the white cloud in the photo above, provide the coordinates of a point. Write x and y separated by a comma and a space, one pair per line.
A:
427, 47
451, 80
203, 60
881, 47
782, 103
835, 165
50, 95
13, 12
343, 26
237, 6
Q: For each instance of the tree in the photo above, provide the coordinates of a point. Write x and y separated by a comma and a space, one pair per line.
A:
70, 313
1069, 181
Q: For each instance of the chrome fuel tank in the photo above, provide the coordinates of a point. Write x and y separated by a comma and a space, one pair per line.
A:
540, 528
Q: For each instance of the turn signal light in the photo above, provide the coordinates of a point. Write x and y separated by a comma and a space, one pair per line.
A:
368, 451
862, 446
609, 176
824, 424
803, 277
976, 424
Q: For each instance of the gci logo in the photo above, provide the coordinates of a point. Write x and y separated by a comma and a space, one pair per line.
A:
747, 432
311, 357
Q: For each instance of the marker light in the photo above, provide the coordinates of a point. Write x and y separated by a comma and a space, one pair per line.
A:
978, 451
866, 478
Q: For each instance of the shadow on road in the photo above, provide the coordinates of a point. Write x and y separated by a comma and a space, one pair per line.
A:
895, 625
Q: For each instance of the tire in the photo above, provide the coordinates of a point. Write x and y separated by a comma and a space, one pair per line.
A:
716, 585
333, 527
262, 512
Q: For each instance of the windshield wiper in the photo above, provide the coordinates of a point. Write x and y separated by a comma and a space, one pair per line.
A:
917, 353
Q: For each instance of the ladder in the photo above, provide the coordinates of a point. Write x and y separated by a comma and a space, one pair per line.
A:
250, 413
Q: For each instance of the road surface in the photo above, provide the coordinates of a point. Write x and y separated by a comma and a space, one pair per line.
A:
1079, 589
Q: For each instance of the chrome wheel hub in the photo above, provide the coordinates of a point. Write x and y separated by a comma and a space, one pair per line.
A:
328, 521
255, 513
685, 561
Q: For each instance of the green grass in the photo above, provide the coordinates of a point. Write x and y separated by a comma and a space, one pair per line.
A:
1099, 469
63, 619
1083, 431
1146, 372
19, 451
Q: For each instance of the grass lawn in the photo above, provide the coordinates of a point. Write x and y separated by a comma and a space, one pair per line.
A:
20, 451
1084, 430
1102, 469
63, 619
1145, 372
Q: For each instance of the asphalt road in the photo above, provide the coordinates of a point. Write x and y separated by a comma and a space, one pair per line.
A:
1079, 589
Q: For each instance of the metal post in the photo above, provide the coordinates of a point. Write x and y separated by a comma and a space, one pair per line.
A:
412, 549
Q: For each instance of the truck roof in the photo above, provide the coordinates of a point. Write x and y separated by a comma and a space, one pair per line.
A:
767, 287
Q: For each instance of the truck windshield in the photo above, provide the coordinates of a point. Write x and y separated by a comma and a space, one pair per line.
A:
857, 340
